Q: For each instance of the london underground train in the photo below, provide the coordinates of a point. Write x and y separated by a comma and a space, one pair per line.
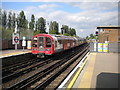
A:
46, 44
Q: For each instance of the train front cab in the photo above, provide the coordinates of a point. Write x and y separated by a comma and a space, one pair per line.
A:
42, 45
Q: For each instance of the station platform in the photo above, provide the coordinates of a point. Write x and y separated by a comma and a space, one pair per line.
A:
9, 53
100, 71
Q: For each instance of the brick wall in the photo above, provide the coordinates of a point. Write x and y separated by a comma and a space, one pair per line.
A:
110, 35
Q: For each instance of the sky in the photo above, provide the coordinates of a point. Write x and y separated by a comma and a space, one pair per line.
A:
83, 16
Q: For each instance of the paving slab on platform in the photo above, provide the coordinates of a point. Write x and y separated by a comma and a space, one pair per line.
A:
101, 71
105, 74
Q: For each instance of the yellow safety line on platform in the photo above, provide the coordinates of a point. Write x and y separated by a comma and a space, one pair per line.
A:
76, 75
87, 76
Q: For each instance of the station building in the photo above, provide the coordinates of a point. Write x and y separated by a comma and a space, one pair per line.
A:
108, 34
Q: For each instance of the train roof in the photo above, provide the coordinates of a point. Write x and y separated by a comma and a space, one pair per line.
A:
60, 37
63, 37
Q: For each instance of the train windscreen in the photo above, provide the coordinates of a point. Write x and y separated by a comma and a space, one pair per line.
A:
48, 42
34, 42
41, 43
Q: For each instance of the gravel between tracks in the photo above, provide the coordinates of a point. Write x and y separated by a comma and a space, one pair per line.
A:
5, 85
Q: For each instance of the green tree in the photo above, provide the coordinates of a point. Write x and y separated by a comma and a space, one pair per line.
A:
66, 34
72, 32
50, 27
21, 21
0, 16
54, 28
36, 32
6, 34
53, 32
32, 22
87, 37
36, 26
65, 29
9, 24
22, 25
4, 19
41, 23
91, 36
13, 21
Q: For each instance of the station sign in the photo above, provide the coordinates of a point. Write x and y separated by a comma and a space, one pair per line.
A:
100, 46
15, 39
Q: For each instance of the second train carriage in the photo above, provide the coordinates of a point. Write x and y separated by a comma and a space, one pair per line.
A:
46, 44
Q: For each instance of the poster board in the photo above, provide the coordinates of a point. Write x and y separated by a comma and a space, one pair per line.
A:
29, 45
100, 46
105, 47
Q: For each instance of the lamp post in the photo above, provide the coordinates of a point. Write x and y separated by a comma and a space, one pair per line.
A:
47, 23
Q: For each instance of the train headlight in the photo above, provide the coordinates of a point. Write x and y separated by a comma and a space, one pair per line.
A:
41, 46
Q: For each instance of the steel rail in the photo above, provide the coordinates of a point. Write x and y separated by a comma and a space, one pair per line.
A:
28, 81
56, 74
24, 71
11, 68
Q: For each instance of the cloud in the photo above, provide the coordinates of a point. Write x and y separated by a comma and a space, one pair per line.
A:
60, 0
46, 6
85, 21
95, 5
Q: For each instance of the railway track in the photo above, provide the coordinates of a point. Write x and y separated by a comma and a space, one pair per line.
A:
53, 80
42, 73
64, 71
14, 64
32, 66
24, 71
15, 67
19, 66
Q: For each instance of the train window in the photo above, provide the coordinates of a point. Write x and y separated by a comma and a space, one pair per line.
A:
60, 42
41, 42
55, 43
48, 42
34, 43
